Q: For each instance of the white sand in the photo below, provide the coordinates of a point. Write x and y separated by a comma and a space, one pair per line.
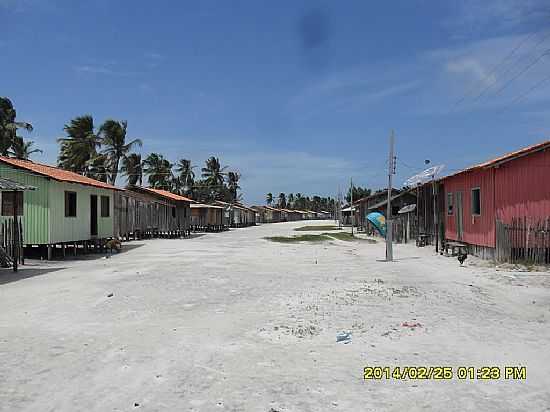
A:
232, 322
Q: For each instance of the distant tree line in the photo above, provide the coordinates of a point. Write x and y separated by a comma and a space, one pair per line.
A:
105, 152
358, 193
299, 201
315, 203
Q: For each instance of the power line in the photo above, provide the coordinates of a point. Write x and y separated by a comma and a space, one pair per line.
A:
525, 69
521, 96
495, 67
537, 59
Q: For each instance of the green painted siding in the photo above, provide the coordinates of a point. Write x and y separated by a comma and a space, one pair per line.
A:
67, 229
44, 209
36, 210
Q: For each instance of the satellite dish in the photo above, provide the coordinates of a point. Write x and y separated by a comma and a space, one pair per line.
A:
425, 176
407, 209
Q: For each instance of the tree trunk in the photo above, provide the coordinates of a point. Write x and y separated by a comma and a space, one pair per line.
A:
114, 172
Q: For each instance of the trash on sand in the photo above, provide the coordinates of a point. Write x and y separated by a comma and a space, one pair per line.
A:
411, 325
343, 337
110, 295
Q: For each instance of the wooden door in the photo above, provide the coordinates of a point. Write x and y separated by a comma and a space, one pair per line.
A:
459, 216
93, 215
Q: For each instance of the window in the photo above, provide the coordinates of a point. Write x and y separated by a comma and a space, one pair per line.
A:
449, 203
70, 204
7, 203
476, 201
105, 209
173, 212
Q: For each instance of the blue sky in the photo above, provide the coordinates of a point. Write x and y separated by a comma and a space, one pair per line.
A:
298, 96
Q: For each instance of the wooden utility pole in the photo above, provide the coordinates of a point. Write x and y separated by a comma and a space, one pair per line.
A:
389, 226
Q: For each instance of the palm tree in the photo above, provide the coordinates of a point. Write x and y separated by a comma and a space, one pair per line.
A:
114, 139
9, 126
269, 198
290, 200
158, 171
233, 183
282, 200
97, 167
21, 149
133, 169
213, 173
186, 174
80, 146
298, 201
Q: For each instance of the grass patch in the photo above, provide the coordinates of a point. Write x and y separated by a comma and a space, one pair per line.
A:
317, 228
348, 237
300, 238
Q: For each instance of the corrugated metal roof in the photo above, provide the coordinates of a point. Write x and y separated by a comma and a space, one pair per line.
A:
55, 173
7, 184
505, 158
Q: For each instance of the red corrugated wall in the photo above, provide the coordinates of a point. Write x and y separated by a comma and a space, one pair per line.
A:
523, 187
477, 230
518, 188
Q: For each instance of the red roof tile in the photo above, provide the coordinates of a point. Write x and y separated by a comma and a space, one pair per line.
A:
168, 194
55, 173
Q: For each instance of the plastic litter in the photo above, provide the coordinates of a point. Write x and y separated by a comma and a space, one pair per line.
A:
344, 337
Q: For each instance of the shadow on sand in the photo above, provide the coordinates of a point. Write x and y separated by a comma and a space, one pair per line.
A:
25, 272
57, 255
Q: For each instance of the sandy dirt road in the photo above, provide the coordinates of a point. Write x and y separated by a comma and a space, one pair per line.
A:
232, 322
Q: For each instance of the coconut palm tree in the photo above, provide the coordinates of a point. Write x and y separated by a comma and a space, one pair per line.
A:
186, 175
132, 167
80, 146
213, 173
21, 149
233, 184
269, 198
158, 171
9, 126
97, 167
113, 135
290, 200
282, 200
298, 201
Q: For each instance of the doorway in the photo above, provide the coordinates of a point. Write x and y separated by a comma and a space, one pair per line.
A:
459, 216
93, 215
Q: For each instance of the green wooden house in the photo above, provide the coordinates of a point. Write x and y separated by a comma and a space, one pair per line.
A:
65, 207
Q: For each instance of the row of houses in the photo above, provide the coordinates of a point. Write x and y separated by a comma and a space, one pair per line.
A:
498, 209
269, 214
67, 209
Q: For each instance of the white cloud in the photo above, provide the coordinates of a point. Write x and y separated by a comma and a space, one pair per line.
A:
472, 68
105, 69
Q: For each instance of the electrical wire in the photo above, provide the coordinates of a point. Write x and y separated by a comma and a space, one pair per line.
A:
537, 59
495, 67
